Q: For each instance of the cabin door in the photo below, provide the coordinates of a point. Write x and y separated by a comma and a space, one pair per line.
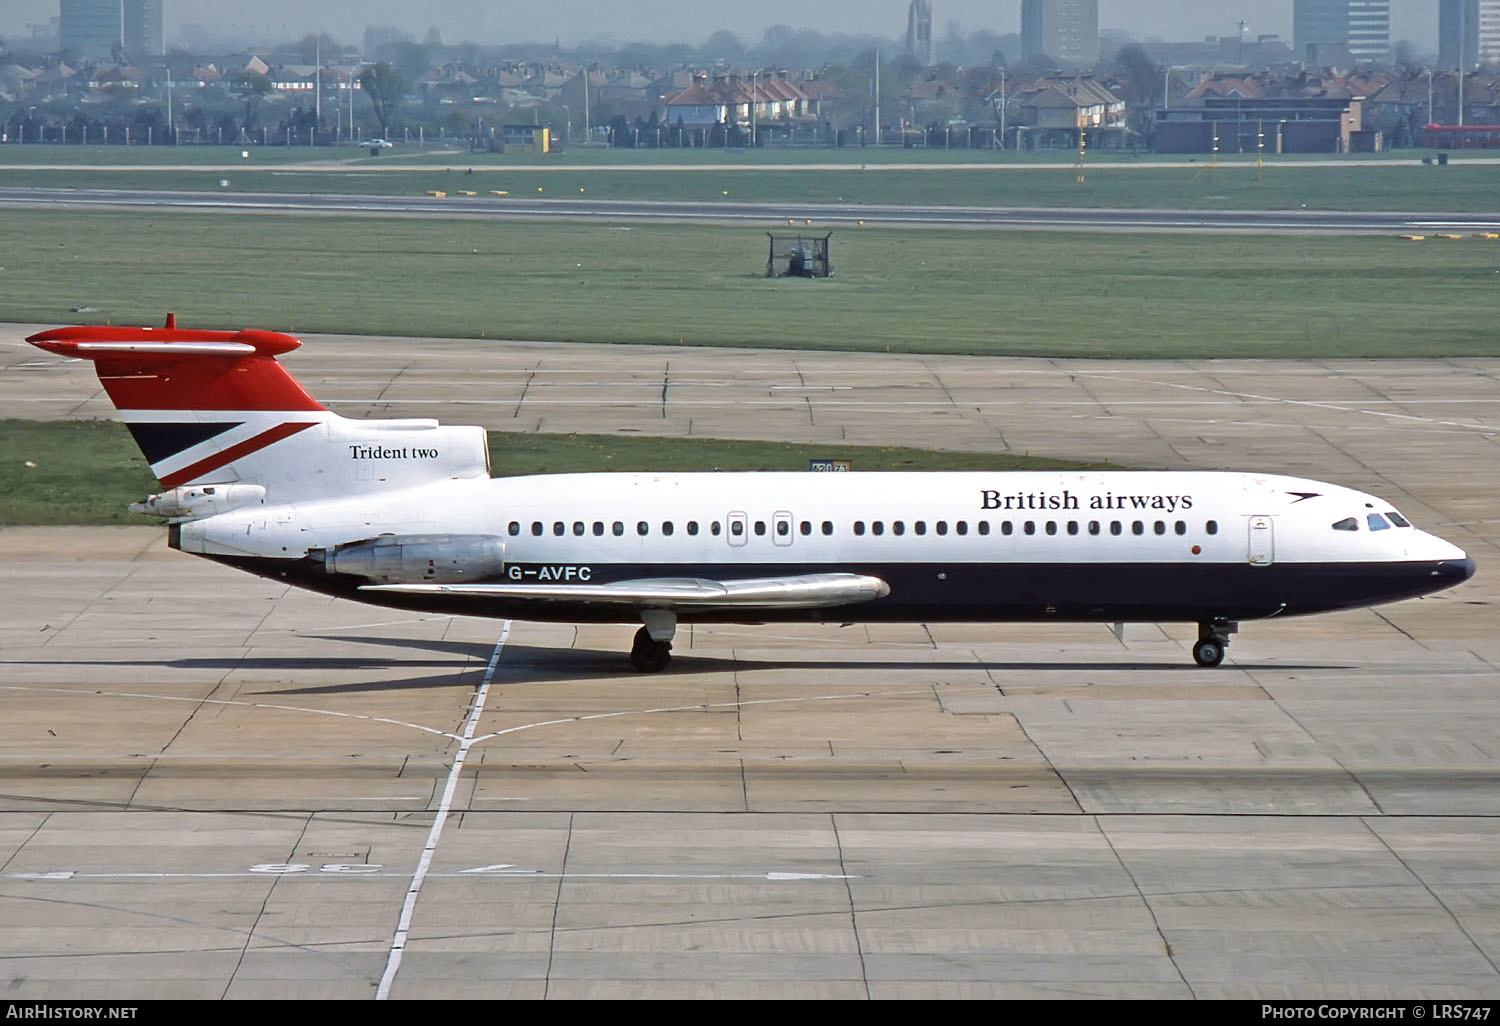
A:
781, 529
735, 528
1262, 541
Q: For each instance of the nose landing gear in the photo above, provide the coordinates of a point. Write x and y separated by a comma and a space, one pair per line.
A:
1213, 639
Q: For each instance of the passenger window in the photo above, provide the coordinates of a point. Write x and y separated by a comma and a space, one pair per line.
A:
828, 527
1377, 522
598, 529
1029, 527
714, 528
1161, 527
515, 528
962, 527
1180, 527
1051, 527
1137, 528
579, 528
666, 527
1397, 519
1005, 527
737, 528
618, 528
920, 527
859, 527
692, 526
642, 528
1212, 527
1347, 524
559, 528
1115, 527
897, 527
783, 528
877, 527
536, 528
805, 527
1072, 527
941, 527
1093, 527
760, 528
984, 527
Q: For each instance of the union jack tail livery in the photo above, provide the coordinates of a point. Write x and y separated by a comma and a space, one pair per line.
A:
222, 423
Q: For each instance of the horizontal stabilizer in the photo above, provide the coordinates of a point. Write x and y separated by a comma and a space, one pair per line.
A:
801, 591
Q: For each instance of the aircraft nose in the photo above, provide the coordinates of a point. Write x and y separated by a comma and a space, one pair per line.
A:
1454, 571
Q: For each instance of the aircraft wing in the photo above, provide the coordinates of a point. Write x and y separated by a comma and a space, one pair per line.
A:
797, 591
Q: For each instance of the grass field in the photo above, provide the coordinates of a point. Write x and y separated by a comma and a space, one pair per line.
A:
87, 472
1017, 293
1187, 184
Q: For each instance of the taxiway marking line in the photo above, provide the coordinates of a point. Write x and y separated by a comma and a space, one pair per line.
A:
403, 927
218, 701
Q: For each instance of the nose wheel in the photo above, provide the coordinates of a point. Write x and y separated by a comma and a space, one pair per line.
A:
648, 655
1213, 639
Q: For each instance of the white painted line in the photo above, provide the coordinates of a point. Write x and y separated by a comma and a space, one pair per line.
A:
710, 706
1362, 408
403, 927
304, 872
94, 692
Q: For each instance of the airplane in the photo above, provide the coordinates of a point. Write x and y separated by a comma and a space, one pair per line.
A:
258, 475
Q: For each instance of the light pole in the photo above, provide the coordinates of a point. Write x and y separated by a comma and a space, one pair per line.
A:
754, 78
1429, 99
584, 71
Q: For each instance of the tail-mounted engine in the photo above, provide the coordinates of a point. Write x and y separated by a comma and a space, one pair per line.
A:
414, 558
192, 502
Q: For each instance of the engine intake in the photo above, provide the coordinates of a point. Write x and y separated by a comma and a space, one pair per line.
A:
193, 501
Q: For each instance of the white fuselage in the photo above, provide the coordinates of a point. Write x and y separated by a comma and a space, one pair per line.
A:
920, 531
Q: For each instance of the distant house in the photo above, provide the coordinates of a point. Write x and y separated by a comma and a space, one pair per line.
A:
739, 100
1059, 108
293, 78
696, 107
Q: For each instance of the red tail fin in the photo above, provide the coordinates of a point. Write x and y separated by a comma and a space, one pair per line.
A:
181, 369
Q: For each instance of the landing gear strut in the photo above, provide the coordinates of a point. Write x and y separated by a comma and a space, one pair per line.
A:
649, 656
1213, 639
652, 649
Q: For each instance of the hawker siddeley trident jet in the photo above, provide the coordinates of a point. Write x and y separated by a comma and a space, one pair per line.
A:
258, 475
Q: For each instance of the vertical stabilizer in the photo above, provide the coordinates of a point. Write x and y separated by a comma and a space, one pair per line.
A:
211, 408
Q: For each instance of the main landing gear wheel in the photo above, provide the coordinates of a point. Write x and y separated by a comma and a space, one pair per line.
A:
648, 655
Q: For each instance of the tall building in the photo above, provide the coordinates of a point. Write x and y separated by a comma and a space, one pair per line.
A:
100, 28
919, 42
1065, 30
145, 29
1361, 26
90, 28
1489, 31
1472, 26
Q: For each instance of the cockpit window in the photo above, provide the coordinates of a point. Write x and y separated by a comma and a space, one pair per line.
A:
1347, 524
1397, 519
1377, 522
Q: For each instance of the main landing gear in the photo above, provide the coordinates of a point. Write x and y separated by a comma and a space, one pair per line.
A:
1213, 639
648, 655
652, 648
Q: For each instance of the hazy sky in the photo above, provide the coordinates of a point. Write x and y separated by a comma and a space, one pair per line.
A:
573, 21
